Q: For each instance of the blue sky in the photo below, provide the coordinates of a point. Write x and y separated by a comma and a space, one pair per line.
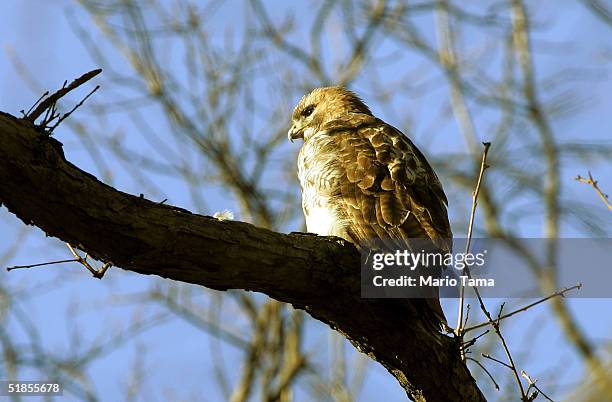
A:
38, 33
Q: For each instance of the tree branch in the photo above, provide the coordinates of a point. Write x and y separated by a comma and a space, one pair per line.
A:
317, 274
593, 183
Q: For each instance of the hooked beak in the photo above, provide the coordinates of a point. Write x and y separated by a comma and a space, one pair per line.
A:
295, 132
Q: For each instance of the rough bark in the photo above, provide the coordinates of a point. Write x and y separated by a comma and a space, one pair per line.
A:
317, 274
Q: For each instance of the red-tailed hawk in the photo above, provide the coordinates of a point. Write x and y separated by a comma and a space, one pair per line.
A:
362, 179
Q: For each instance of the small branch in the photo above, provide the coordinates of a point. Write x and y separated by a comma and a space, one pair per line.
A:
472, 341
25, 114
593, 183
73, 109
483, 167
485, 370
495, 325
52, 99
50, 115
39, 264
97, 273
467, 316
501, 310
527, 307
488, 356
532, 384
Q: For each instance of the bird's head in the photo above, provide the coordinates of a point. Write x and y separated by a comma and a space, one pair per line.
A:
321, 106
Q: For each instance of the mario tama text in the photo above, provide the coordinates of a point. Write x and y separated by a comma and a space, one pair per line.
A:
421, 273
498, 268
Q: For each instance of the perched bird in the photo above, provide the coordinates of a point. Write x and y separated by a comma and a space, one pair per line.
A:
362, 179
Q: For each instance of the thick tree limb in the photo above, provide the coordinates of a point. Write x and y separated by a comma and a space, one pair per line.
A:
316, 274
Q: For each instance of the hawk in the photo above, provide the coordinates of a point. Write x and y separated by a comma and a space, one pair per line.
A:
362, 179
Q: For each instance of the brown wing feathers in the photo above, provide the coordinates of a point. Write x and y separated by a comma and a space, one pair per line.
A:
388, 184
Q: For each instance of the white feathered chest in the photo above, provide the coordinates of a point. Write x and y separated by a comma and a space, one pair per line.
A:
320, 174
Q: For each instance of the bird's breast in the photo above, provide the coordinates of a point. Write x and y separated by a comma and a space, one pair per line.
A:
319, 173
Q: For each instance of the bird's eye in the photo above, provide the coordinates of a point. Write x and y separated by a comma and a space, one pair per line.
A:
308, 111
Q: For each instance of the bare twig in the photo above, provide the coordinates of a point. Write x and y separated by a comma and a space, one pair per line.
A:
39, 264
50, 115
35, 103
97, 273
532, 384
467, 315
511, 365
66, 115
485, 370
488, 356
495, 325
483, 167
593, 183
472, 341
560, 292
53, 98
491, 321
